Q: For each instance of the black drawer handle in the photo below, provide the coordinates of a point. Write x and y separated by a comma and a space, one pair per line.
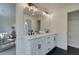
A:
48, 37
39, 46
49, 42
54, 38
48, 48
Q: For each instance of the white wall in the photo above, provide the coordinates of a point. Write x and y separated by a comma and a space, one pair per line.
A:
7, 17
59, 25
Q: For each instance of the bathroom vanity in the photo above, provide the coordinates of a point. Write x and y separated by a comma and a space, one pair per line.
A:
39, 44
29, 41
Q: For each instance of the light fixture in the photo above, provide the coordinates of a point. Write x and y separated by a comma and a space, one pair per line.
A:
25, 23
31, 6
25, 5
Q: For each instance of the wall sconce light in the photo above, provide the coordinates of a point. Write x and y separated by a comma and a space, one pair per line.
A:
25, 23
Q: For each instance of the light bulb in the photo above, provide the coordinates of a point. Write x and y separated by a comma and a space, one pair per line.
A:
26, 23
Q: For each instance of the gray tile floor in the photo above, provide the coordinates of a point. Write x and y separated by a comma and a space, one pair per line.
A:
55, 51
73, 51
59, 51
11, 51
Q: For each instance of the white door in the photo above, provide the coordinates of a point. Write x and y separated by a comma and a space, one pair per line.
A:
73, 29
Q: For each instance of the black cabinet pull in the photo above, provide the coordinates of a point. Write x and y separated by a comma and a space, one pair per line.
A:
48, 48
54, 38
39, 46
49, 42
48, 37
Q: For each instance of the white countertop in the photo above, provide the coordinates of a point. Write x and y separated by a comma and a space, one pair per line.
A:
37, 36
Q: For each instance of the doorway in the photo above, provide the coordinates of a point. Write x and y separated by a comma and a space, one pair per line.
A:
73, 32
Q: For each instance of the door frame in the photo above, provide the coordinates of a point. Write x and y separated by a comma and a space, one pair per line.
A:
68, 26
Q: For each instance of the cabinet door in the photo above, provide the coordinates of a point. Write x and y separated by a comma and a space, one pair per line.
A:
52, 40
50, 43
34, 47
37, 46
41, 46
42, 41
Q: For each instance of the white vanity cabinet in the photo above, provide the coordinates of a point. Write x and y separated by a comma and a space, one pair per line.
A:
37, 46
40, 45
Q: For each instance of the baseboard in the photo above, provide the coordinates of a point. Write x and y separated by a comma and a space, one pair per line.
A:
61, 48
